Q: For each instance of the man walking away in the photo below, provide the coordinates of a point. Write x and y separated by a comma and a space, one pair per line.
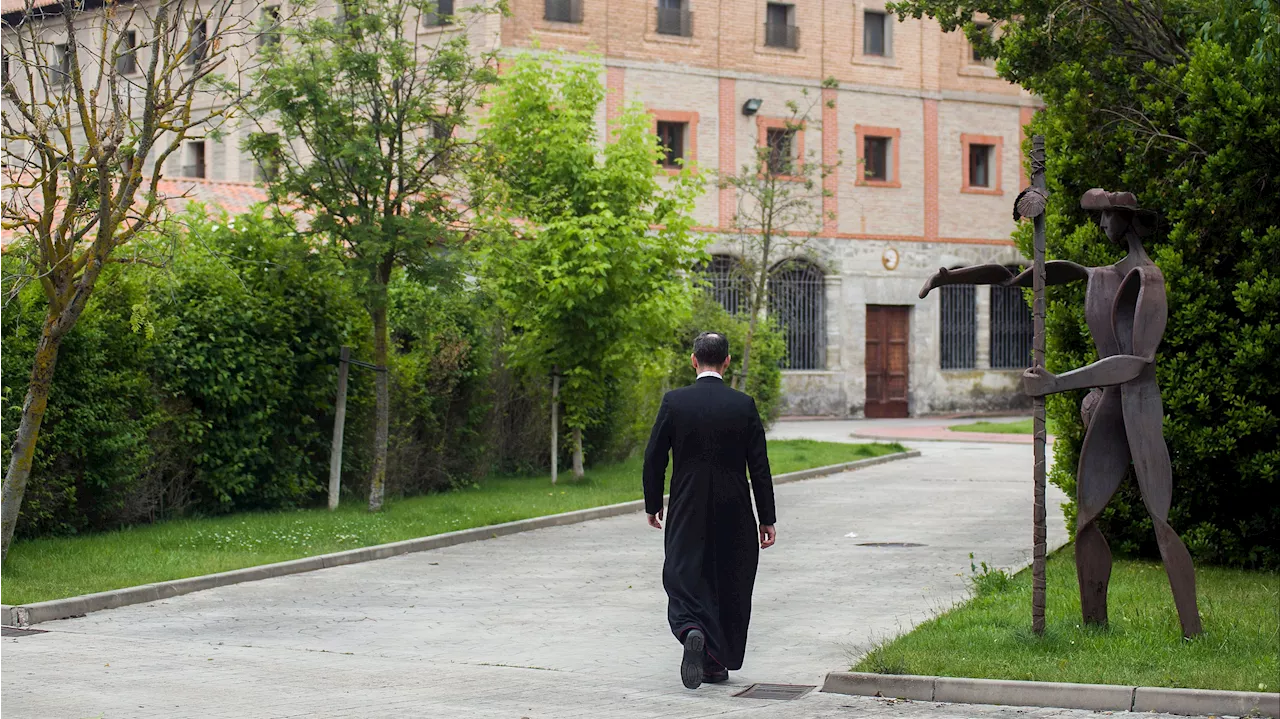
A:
715, 434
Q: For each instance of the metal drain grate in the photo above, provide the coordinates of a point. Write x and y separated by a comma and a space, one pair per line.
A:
19, 632
889, 544
775, 691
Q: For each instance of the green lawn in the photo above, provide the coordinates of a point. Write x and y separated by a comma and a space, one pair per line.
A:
1022, 426
43, 569
990, 636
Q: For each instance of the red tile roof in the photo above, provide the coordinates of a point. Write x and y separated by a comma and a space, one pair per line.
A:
8, 6
234, 197
178, 193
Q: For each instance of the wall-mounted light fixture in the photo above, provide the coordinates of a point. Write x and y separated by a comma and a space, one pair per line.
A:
752, 106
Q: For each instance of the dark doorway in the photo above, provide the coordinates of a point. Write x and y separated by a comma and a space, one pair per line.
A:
887, 357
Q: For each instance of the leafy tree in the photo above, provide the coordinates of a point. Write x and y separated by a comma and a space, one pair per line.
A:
594, 278
363, 124
1179, 102
779, 213
96, 99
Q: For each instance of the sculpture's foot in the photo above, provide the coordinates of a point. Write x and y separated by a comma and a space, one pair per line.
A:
1182, 577
1093, 571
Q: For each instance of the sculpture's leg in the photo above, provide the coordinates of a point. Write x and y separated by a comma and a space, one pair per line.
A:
1104, 459
1143, 416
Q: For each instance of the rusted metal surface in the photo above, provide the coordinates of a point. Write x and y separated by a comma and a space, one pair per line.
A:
1126, 310
1039, 528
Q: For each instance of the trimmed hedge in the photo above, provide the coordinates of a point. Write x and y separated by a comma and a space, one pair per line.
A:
1219, 249
209, 388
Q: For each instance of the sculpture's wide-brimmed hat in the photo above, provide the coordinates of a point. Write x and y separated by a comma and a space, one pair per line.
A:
1098, 200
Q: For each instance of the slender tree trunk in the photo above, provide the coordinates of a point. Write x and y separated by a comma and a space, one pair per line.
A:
378, 480
757, 304
24, 445
577, 453
740, 379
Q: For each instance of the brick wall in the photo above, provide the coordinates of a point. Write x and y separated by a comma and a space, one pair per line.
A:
728, 36
868, 210
964, 214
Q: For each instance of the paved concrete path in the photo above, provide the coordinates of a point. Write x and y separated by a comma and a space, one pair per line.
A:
916, 429
560, 622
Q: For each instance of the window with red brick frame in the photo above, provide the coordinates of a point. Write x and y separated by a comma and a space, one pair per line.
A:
689, 149
877, 149
981, 157
783, 130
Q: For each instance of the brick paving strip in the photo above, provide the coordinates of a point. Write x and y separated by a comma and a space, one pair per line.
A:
1093, 697
53, 609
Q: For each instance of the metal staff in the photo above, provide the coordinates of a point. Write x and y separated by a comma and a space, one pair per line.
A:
1038, 533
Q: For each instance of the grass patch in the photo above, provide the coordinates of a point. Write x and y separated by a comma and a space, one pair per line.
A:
56, 567
990, 636
1022, 426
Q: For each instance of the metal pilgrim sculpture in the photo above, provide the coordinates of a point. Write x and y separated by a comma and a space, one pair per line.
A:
1126, 310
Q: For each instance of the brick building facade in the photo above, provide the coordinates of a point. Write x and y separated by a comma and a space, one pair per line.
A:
945, 165
928, 138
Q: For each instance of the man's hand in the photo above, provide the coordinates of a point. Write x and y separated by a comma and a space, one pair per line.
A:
655, 520
768, 535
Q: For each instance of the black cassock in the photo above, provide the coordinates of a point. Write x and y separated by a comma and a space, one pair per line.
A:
712, 542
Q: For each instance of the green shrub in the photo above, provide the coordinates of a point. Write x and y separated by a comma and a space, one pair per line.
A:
94, 442
440, 396
249, 328
768, 348
630, 409
985, 580
1204, 157
1219, 365
210, 387
205, 388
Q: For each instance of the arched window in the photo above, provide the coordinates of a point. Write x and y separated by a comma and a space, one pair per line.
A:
797, 300
726, 283
1011, 328
959, 326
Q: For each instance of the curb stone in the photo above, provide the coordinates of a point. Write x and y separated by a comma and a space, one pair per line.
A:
37, 612
1095, 697
1202, 701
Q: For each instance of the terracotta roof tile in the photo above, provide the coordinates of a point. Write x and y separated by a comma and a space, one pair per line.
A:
178, 192
8, 6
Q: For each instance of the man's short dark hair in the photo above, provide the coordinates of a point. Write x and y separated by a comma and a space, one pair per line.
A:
711, 349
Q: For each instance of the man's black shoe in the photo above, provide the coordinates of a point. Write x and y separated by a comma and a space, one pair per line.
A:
715, 675
695, 646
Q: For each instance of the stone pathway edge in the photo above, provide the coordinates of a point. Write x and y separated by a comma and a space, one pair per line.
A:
38, 612
1094, 697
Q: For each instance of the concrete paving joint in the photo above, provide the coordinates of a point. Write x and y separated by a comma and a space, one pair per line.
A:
1093, 697
37, 612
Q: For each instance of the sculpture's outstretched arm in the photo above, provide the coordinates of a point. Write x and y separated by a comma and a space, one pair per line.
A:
976, 275
1057, 272
1106, 372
